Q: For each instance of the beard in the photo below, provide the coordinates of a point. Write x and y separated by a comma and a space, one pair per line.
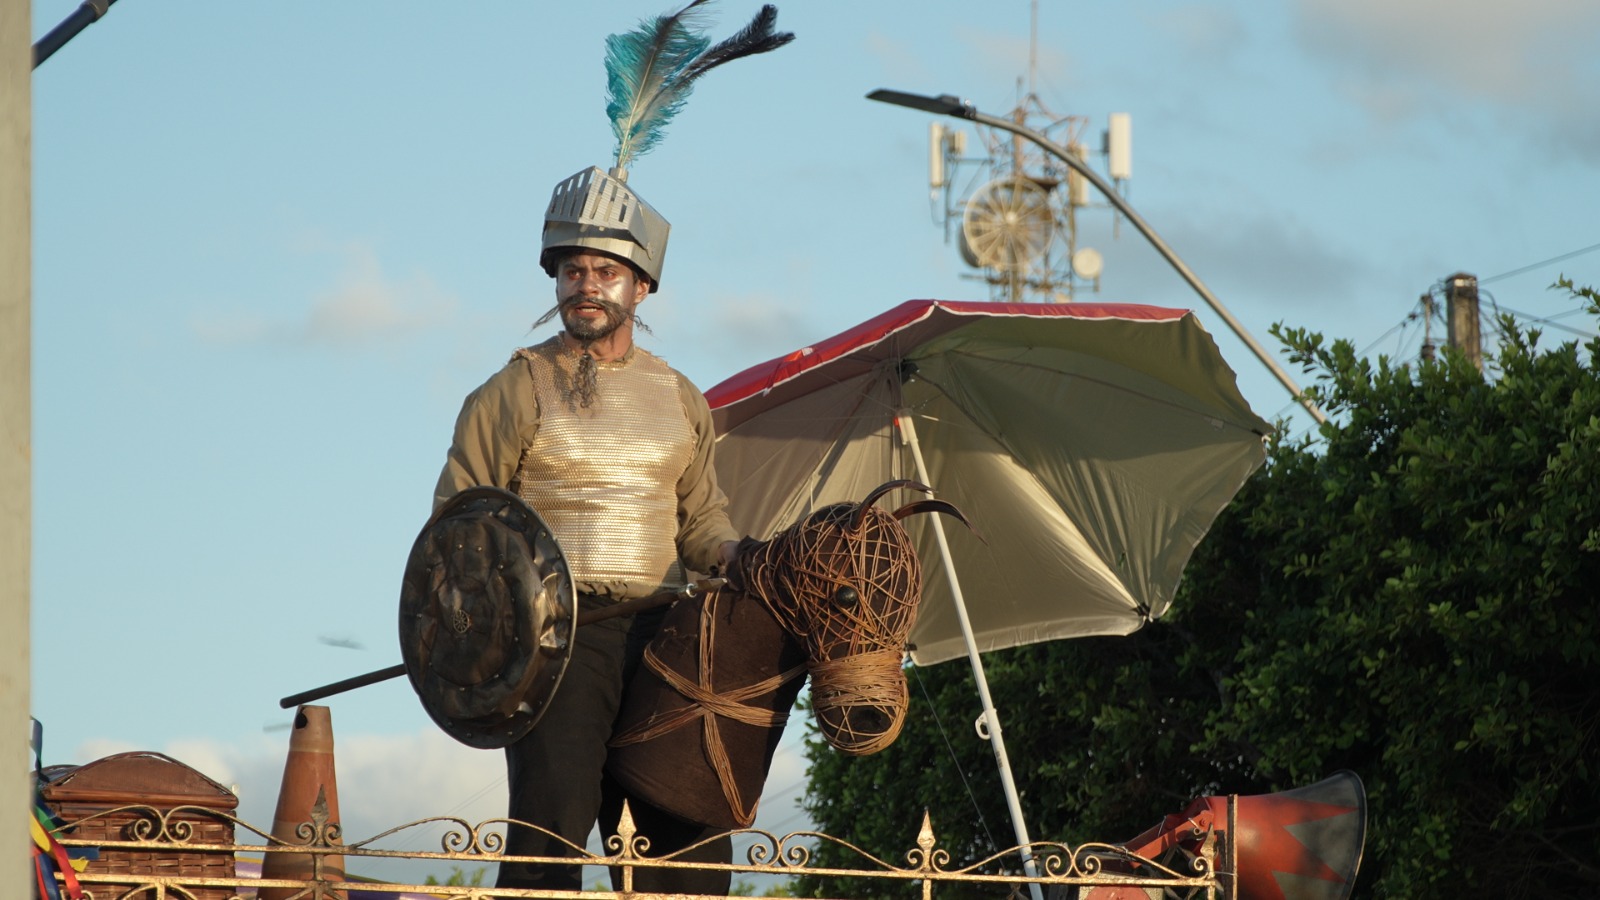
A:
588, 331
583, 388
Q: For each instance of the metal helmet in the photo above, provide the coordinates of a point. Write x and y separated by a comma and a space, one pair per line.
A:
487, 612
595, 210
649, 74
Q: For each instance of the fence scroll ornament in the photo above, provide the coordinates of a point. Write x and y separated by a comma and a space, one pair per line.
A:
166, 839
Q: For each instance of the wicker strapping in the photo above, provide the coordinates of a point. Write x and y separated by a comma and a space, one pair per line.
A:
707, 705
723, 663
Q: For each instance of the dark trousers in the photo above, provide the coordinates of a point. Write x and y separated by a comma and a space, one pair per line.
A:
557, 781
554, 772
667, 834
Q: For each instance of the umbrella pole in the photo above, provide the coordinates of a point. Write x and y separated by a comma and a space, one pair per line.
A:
988, 724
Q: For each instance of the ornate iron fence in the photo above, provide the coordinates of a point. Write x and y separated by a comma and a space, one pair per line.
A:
160, 853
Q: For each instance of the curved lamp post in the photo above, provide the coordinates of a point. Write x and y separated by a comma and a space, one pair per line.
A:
950, 105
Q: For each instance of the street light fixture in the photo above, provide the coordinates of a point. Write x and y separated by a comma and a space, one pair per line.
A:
951, 105
942, 105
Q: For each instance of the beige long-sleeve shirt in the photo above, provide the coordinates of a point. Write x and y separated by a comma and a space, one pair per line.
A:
499, 423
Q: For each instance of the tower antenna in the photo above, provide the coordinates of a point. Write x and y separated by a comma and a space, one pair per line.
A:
1017, 223
1033, 44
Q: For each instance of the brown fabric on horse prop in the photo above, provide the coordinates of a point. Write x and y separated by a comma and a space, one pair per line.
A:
835, 595
702, 718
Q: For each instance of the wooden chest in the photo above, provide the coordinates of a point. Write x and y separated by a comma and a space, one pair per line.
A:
94, 800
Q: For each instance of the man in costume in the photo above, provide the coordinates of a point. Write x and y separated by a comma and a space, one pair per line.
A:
613, 448
608, 444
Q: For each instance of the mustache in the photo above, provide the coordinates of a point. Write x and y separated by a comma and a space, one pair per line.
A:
614, 312
612, 308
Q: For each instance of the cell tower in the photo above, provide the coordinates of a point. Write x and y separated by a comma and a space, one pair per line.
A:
1015, 219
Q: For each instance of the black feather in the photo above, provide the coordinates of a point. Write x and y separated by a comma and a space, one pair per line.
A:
757, 37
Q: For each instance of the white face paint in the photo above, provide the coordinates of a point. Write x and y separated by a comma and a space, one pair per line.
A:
596, 295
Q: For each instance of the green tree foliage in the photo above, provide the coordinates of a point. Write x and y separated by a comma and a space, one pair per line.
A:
743, 887
1411, 593
459, 877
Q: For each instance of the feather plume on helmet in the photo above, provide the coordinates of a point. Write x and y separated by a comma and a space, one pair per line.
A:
650, 72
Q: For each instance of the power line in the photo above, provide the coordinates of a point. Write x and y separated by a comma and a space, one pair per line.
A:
950, 748
780, 827
415, 838
1576, 311
1529, 268
1385, 336
1400, 326
1545, 321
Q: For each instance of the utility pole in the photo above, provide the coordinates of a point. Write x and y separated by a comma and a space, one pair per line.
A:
1461, 316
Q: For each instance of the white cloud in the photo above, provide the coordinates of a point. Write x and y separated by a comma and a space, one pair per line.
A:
1265, 255
1205, 33
365, 303
1530, 62
999, 53
899, 60
1498, 51
727, 333
769, 322
384, 781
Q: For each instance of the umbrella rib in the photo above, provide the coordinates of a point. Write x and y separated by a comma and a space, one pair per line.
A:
802, 503
878, 370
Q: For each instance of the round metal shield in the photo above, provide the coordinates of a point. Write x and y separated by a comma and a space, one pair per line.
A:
487, 612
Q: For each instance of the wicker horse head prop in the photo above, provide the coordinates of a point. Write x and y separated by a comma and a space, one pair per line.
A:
846, 582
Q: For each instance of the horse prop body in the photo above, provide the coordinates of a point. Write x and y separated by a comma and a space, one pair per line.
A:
833, 596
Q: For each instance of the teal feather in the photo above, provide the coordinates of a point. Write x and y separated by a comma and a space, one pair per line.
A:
650, 71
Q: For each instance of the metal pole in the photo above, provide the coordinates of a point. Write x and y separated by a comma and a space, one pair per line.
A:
951, 106
989, 722
84, 16
16, 441
586, 618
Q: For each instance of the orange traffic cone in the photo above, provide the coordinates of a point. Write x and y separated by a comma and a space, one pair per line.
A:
309, 797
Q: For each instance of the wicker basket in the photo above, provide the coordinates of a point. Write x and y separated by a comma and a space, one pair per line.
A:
84, 796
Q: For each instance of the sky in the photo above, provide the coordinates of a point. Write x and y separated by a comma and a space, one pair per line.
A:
275, 245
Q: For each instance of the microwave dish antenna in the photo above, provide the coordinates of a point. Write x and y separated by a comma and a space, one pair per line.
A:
1087, 263
1007, 224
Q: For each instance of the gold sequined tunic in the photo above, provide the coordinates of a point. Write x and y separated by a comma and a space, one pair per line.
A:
626, 484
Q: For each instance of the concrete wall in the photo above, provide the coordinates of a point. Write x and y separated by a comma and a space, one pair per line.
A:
16, 437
